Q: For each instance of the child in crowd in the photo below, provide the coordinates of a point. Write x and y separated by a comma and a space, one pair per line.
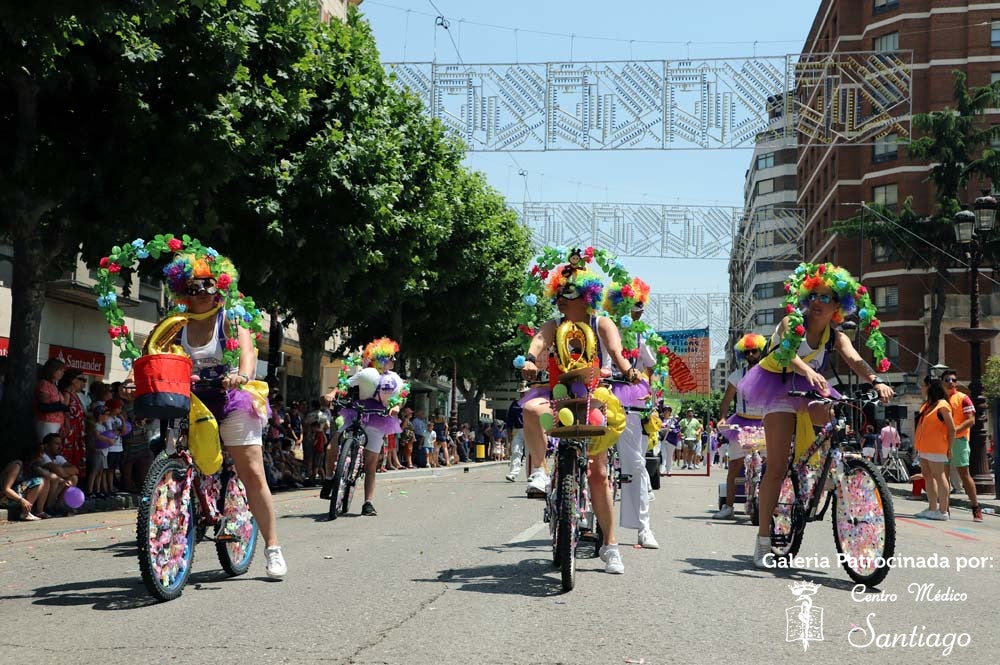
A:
318, 448
103, 438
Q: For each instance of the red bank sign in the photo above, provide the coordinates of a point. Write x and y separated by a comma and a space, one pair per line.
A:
87, 362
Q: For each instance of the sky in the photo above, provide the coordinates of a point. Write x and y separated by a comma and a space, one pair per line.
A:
604, 31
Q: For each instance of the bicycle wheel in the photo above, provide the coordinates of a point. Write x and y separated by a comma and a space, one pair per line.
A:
566, 536
340, 500
864, 523
165, 532
236, 533
787, 524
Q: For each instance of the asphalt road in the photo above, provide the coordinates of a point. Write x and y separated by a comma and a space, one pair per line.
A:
457, 569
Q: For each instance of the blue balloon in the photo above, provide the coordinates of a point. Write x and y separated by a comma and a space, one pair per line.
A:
519, 362
531, 300
626, 321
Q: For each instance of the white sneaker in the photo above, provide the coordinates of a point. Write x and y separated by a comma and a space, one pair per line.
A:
922, 515
612, 559
276, 566
938, 516
762, 546
726, 513
511, 477
650, 496
647, 540
539, 482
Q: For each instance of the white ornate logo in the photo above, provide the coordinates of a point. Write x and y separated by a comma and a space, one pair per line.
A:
804, 623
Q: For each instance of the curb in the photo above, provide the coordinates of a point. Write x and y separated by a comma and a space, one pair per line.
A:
959, 500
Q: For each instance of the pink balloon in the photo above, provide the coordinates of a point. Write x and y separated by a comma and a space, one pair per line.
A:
596, 417
73, 497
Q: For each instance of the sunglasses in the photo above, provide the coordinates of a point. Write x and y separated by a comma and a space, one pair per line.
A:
571, 294
951, 380
390, 359
822, 297
196, 287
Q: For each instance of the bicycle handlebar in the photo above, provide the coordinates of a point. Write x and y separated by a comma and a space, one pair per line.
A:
356, 406
863, 396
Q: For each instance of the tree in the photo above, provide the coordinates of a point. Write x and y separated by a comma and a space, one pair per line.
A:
116, 124
959, 144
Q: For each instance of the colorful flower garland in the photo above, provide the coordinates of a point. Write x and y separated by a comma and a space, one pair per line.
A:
187, 255
851, 296
533, 291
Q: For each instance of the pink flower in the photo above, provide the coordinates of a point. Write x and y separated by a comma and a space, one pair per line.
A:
789, 309
627, 291
883, 365
662, 350
544, 274
588, 253
534, 269
800, 330
874, 325
175, 244
862, 290
224, 281
232, 344
105, 262
124, 330
788, 288
114, 267
821, 269
114, 332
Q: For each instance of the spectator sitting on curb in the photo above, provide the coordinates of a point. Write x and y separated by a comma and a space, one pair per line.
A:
61, 474
19, 490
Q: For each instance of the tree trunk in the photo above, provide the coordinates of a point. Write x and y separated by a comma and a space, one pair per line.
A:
27, 301
313, 347
937, 315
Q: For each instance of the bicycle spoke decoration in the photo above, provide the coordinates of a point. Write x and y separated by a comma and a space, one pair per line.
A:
169, 524
860, 520
238, 523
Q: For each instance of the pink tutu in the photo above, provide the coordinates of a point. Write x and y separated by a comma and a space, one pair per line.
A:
579, 390
740, 421
767, 392
629, 394
384, 424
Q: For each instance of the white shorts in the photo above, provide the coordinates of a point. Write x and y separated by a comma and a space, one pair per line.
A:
736, 452
240, 428
868, 452
42, 428
935, 457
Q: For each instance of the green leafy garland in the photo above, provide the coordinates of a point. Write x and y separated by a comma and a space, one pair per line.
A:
240, 311
852, 296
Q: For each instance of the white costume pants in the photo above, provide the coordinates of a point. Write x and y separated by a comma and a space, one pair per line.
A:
632, 455
516, 452
666, 456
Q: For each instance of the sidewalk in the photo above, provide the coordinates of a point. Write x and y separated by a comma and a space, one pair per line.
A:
131, 501
905, 491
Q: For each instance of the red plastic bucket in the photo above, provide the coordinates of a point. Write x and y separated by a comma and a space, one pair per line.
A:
162, 386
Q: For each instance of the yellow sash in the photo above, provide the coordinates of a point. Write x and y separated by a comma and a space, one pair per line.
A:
804, 435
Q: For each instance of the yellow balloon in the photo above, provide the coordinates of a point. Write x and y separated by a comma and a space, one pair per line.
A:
566, 417
559, 391
547, 421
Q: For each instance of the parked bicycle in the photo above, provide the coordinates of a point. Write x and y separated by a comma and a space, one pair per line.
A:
177, 506
350, 458
864, 525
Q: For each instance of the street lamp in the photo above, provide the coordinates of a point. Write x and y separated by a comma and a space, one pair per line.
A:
970, 228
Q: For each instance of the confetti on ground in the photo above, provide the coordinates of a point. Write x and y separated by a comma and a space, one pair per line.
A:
328, 557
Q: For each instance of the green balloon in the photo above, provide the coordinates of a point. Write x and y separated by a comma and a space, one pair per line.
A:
559, 391
547, 421
339, 422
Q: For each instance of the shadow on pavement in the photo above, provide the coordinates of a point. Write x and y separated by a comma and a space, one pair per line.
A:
742, 566
124, 548
123, 593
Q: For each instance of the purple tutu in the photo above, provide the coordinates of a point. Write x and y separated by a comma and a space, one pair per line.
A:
767, 392
578, 390
222, 404
740, 421
631, 394
384, 424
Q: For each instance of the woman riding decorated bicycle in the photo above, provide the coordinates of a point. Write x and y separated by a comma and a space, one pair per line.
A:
818, 296
219, 338
577, 292
379, 387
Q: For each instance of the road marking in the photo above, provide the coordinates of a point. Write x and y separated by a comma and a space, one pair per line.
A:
960, 535
914, 522
527, 533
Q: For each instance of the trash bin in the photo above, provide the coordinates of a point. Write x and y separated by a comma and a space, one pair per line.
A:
480, 452
653, 469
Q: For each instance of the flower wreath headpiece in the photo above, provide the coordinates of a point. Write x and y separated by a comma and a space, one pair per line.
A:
635, 291
375, 351
751, 342
189, 259
379, 351
851, 296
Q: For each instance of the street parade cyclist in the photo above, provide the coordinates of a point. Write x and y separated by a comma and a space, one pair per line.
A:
577, 293
635, 397
749, 348
379, 387
218, 338
817, 297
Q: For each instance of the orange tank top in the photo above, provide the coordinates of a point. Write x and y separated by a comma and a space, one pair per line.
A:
932, 434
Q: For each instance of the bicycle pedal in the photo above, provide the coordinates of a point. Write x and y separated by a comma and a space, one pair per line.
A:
225, 538
625, 478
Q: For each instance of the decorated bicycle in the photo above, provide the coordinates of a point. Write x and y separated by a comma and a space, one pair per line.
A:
194, 375
584, 417
789, 388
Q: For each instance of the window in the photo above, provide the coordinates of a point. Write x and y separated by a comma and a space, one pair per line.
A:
883, 253
765, 161
995, 33
887, 43
764, 291
887, 298
887, 195
892, 349
885, 148
764, 317
765, 186
881, 6
994, 77
765, 239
